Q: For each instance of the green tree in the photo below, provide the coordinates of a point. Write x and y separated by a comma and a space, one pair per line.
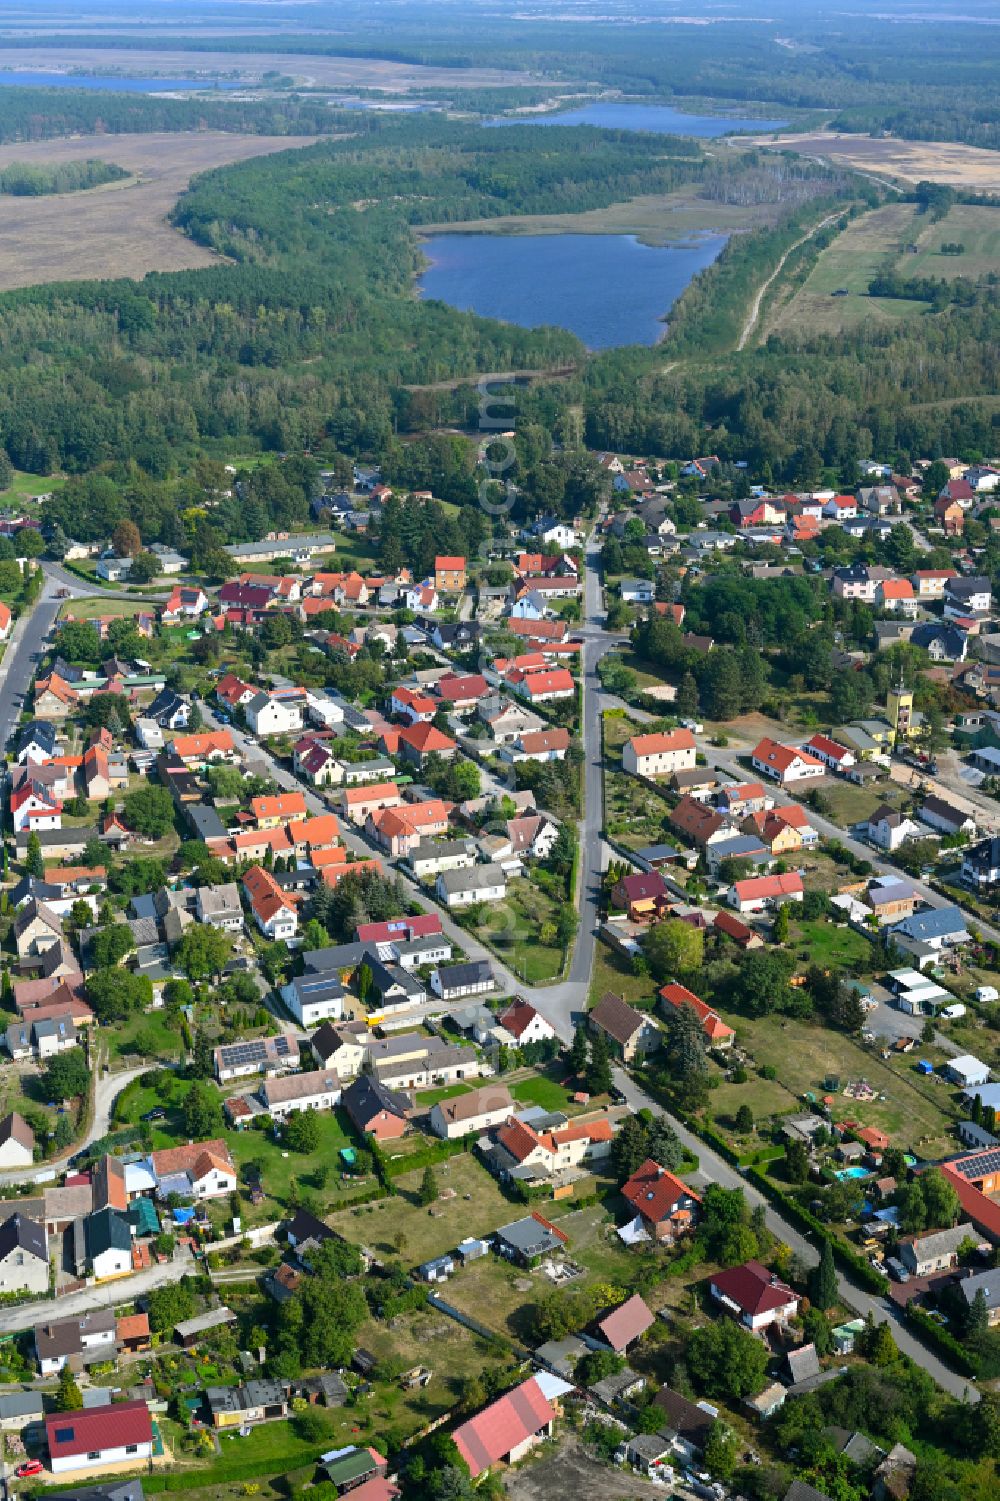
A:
171, 1305
823, 1279
110, 945
150, 811
204, 951
744, 1120
69, 1398
580, 1051
674, 948
664, 1145
34, 863
721, 1450
116, 993
202, 1112
66, 1075
428, 1190
685, 1053
780, 926
629, 1147
599, 1078
725, 1360
302, 1134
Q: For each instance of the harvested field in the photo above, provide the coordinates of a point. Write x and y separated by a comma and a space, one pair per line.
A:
914, 161
307, 69
120, 229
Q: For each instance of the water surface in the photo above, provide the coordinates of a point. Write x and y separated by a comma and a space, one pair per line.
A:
607, 289
659, 118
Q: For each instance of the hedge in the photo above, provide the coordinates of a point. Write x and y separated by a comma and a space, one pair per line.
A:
430, 1157
945, 1342
849, 1259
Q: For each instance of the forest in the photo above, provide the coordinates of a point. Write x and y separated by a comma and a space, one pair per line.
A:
39, 114
31, 180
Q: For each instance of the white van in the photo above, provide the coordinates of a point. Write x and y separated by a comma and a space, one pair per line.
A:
987, 993
952, 1013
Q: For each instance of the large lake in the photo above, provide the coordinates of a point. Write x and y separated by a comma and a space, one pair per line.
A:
607, 289
659, 118
114, 85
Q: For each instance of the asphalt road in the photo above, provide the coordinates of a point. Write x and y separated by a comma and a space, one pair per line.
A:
20, 660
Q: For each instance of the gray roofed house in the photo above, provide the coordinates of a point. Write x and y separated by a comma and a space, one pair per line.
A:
987, 1283
561, 1355
18, 1409
340, 956
24, 1255
367, 1098
115, 1490
526, 1240
481, 883
452, 982
854, 1446
220, 906
393, 983
923, 1254
204, 821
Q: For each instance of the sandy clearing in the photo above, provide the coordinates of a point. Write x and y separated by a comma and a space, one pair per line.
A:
947, 162
120, 229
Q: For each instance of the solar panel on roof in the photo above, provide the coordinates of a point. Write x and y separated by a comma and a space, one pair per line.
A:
65, 1435
981, 1164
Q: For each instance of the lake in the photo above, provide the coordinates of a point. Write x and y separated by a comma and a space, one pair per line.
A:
659, 118
606, 289
29, 80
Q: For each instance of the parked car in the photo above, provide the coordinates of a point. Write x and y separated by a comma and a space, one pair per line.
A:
896, 1269
30, 1467
156, 1114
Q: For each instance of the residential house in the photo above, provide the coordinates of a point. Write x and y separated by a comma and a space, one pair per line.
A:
203, 748
643, 895
890, 899
105, 1436
315, 997
275, 916
527, 1240
276, 713
464, 888
449, 574
927, 934
473, 1113
667, 1208
941, 641
412, 705
626, 1323
198, 1170
922, 1255
525, 1024
537, 745
945, 817
109, 1244
785, 763
508, 1429
358, 803
888, 828
743, 936
457, 981
376, 1110
981, 865
281, 1097
17, 1142
949, 515
930, 583
754, 1295
987, 1283
418, 741
220, 907
630, 1034
830, 752
544, 685
716, 1032
698, 823
659, 755
758, 892
969, 598
76, 1342
24, 1256
259, 1055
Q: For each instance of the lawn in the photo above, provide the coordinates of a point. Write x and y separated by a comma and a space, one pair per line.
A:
917, 1112
86, 609
975, 227
401, 1226
146, 1035
544, 1091
634, 814
502, 1296
514, 927
446, 1092
846, 803
612, 971
821, 942
849, 263
278, 1166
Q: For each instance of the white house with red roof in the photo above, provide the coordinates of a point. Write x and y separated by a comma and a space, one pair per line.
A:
183, 603
542, 685
507, 1430
274, 914
6, 620
413, 705
462, 692
525, 1024
659, 755
837, 757
206, 1166
418, 741
99, 1436
718, 1034
754, 1296
33, 807
667, 1208
785, 763
896, 595
758, 892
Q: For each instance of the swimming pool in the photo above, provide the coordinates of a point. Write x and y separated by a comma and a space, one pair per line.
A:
852, 1172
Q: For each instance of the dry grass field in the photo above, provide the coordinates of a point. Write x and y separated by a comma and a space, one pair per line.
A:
120, 229
307, 69
835, 293
914, 161
654, 218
